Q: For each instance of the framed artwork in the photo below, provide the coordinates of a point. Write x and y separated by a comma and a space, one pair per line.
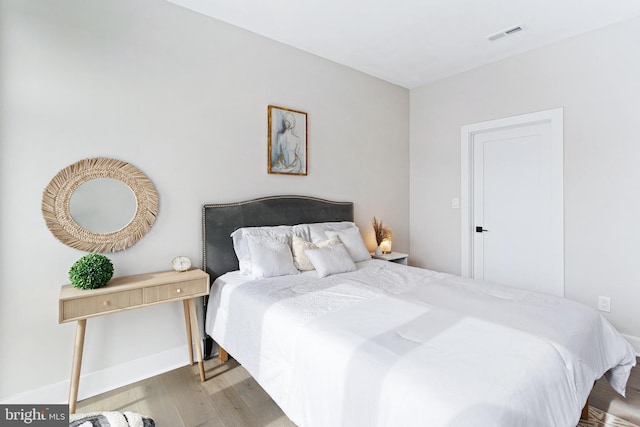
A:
287, 141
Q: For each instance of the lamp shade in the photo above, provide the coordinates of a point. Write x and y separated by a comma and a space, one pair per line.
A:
385, 246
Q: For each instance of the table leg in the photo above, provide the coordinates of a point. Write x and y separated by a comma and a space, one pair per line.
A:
196, 329
77, 364
223, 356
585, 411
187, 321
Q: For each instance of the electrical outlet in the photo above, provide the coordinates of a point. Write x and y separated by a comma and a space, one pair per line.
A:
604, 304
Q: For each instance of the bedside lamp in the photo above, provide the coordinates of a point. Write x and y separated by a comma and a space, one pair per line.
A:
383, 237
385, 246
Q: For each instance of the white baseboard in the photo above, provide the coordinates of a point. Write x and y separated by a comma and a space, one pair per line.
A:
94, 383
635, 343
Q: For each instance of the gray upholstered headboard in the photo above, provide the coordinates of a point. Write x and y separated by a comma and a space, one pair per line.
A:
220, 220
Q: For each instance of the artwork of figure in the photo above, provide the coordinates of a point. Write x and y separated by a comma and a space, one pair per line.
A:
287, 142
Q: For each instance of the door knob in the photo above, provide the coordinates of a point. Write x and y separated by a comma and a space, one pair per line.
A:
479, 229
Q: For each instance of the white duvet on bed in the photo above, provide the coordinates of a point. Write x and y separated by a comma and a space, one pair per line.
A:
390, 345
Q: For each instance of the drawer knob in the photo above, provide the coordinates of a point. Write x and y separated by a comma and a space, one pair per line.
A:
178, 290
105, 303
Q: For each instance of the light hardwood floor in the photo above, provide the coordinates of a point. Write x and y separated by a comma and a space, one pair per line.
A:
604, 398
231, 398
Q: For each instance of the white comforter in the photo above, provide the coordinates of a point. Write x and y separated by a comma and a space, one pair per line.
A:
390, 345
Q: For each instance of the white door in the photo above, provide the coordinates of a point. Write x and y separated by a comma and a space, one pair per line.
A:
516, 228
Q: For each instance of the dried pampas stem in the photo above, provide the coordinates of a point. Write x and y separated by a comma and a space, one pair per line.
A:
381, 232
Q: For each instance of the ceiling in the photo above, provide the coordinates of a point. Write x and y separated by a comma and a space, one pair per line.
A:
413, 42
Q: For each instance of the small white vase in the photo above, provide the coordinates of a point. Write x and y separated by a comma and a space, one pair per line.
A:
378, 251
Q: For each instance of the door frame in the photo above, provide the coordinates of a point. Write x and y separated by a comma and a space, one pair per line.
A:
467, 135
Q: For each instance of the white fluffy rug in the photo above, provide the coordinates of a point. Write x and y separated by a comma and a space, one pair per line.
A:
110, 419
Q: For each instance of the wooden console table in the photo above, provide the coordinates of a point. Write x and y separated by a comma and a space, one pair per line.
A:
126, 293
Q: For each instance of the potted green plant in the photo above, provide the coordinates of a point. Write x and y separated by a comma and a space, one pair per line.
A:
91, 271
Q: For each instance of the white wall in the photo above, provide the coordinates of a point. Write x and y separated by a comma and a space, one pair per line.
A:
595, 78
184, 98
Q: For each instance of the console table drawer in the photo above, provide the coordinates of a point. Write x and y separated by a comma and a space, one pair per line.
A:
175, 290
100, 304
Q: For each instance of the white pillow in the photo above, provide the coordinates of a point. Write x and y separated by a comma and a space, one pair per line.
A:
270, 256
301, 230
318, 231
241, 247
333, 260
353, 241
299, 245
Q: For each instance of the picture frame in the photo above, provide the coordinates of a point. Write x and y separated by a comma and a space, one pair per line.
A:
287, 136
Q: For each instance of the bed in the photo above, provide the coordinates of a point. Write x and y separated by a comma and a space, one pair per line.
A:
374, 343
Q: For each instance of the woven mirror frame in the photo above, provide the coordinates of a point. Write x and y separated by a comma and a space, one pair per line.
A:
57, 195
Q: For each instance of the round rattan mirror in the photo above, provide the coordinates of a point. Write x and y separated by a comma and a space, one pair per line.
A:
57, 196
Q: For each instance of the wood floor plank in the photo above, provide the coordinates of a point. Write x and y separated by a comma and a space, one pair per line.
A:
194, 406
232, 398
121, 399
157, 403
605, 398
232, 409
257, 399
598, 418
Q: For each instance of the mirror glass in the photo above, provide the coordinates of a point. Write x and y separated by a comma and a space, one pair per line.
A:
103, 205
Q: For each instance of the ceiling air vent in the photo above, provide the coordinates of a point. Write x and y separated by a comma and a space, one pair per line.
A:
506, 32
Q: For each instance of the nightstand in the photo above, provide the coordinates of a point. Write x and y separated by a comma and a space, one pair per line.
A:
396, 257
